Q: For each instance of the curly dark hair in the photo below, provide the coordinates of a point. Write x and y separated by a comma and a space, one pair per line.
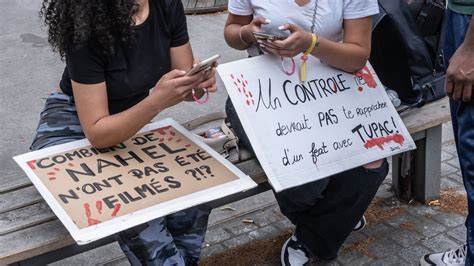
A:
72, 23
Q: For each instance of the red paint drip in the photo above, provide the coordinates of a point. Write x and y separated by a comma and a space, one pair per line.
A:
238, 80
235, 83
178, 140
253, 102
365, 74
98, 205
187, 145
31, 164
116, 209
242, 75
170, 139
239, 89
70, 164
250, 93
52, 178
380, 142
232, 76
56, 169
161, 140
160, 131
248, 102
90, 220
334, 88
172, 133
360, 89
51, 173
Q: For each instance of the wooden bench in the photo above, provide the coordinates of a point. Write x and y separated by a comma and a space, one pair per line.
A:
30, 233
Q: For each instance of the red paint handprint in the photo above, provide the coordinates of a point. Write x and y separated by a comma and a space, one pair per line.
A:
241, 85
98, 205
365, 77
167, 132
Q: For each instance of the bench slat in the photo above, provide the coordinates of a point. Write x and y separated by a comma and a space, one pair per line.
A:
25, 217
430, 115
33, 241
30, 235
13, 182
19, 198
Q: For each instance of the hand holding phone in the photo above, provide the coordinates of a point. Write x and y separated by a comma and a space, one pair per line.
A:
267, 36
203, 65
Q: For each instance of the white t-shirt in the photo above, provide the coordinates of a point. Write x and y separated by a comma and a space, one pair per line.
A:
330, 14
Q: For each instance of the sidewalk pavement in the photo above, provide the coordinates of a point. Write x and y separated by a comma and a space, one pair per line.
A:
397, 233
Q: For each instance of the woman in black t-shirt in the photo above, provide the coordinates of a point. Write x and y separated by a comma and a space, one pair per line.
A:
115, 52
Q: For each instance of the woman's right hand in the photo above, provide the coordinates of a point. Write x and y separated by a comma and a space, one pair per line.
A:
174, 87
254, 26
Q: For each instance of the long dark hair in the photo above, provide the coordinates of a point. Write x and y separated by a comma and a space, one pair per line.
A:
72, 23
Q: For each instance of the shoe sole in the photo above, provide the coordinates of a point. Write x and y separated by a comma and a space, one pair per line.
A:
423, 262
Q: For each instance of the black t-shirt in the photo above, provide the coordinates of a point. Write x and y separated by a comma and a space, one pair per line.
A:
132, 71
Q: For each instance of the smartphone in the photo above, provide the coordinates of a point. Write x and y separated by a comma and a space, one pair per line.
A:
203, 65
267, 36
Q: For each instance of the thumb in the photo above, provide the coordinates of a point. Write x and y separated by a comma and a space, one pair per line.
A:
291, 27
174, 74
260, 21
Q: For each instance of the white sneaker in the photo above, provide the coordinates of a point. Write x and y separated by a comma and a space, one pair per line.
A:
293, 253
455, 257
361, 224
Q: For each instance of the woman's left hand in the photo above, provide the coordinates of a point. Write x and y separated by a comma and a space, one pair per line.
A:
298, 42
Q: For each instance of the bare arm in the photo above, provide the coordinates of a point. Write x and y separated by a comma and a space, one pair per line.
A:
104, 130
460, 73
238, 30
350, 55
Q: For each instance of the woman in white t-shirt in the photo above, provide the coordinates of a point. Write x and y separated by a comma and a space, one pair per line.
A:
337, 32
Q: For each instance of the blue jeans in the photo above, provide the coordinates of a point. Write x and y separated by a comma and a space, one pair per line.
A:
462, 115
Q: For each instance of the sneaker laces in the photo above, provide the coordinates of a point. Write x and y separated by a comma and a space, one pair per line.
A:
457, 255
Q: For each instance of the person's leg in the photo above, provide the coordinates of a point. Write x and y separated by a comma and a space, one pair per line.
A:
323, 228
188, 228
465, 118
462, 116
150, 244
59, 123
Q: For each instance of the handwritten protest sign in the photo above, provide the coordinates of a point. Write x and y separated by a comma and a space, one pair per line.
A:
303, 132
161, 170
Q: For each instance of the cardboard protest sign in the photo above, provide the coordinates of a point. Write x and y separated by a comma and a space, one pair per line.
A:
302, 132
161, 170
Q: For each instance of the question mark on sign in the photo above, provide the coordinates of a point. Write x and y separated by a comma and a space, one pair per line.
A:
207, 169
193, 173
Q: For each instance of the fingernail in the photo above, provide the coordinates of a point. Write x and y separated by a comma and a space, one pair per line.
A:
195, 65
281, 27
259, 41
268, 21
182, 72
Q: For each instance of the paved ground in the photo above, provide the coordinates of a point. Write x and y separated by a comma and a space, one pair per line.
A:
399, 235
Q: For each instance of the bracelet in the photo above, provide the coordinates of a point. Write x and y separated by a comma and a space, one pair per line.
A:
242, 39
304, 57
199, 101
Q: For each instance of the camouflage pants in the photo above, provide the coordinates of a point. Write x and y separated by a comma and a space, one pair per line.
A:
172, 240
